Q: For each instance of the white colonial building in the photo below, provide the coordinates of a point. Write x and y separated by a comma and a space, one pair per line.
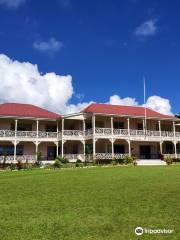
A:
100, 131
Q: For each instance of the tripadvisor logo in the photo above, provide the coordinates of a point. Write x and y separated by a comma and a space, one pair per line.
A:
139, 231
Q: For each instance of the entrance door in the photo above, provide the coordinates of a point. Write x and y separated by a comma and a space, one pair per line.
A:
145, 152
51, 152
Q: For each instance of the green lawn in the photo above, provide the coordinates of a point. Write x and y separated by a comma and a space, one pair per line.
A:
97, 203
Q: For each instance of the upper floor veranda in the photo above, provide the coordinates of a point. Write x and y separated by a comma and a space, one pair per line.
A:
89, 125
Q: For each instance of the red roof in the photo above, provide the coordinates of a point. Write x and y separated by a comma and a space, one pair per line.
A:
123, 110
26, 110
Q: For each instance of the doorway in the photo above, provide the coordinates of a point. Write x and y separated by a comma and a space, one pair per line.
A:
145, 152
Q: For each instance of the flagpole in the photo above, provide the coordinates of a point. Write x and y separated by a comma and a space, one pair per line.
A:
145, 109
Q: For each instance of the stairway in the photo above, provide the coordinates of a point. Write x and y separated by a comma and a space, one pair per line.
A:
150, 162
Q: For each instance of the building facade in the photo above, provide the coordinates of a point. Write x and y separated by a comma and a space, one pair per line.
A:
100, 131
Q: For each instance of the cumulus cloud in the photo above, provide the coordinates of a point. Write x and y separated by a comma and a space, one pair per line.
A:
13, 4
22, 82
127, 101
50, 46
148, 28
156, 103
159, 104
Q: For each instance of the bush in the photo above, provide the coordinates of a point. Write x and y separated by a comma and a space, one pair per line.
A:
114, 161
127, 159
57, 164
19, 165
12, 166
168, 160
63, 160
79, 163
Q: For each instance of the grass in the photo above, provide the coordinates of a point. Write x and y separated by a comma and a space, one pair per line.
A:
97, 203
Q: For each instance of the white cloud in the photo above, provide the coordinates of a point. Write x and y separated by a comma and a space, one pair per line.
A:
156, 103
50, 46
159, 104
22, 82
127, 101
12, 3
148, 28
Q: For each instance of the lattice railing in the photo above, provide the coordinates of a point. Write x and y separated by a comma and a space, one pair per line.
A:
71, 133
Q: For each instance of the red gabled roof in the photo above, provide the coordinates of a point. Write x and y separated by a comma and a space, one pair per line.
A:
26, 110
123, 110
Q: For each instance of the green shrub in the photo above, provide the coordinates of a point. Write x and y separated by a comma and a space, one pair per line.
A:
127, 159
19, 165
12, 166
58, 164
168, 160
63, 160
114, 161
78, 163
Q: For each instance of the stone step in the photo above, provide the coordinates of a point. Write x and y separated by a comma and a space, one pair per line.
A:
150, 162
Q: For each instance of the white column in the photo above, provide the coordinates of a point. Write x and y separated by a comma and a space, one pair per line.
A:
84, 150
94, 142
175, 149
128, 123
129, 147
57, 128
57, 149
159, 122
84, 126
112, 126
15, 143
161, 152
16, 121
112, 147
174, 129
36, 149
62, 139
37, 128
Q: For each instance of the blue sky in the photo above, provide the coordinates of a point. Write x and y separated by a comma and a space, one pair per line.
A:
106, 46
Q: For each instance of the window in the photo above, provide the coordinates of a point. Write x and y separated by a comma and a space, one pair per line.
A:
9, 150
119, 149
140, 126
118, 125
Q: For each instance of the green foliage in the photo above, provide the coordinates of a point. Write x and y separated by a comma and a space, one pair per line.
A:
79, 163
58, 164
63, 160
127, 159
39, 158
168, 160
114, 161
19, 165
12, 166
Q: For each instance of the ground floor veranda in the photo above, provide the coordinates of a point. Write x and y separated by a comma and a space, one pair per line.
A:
101, 149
